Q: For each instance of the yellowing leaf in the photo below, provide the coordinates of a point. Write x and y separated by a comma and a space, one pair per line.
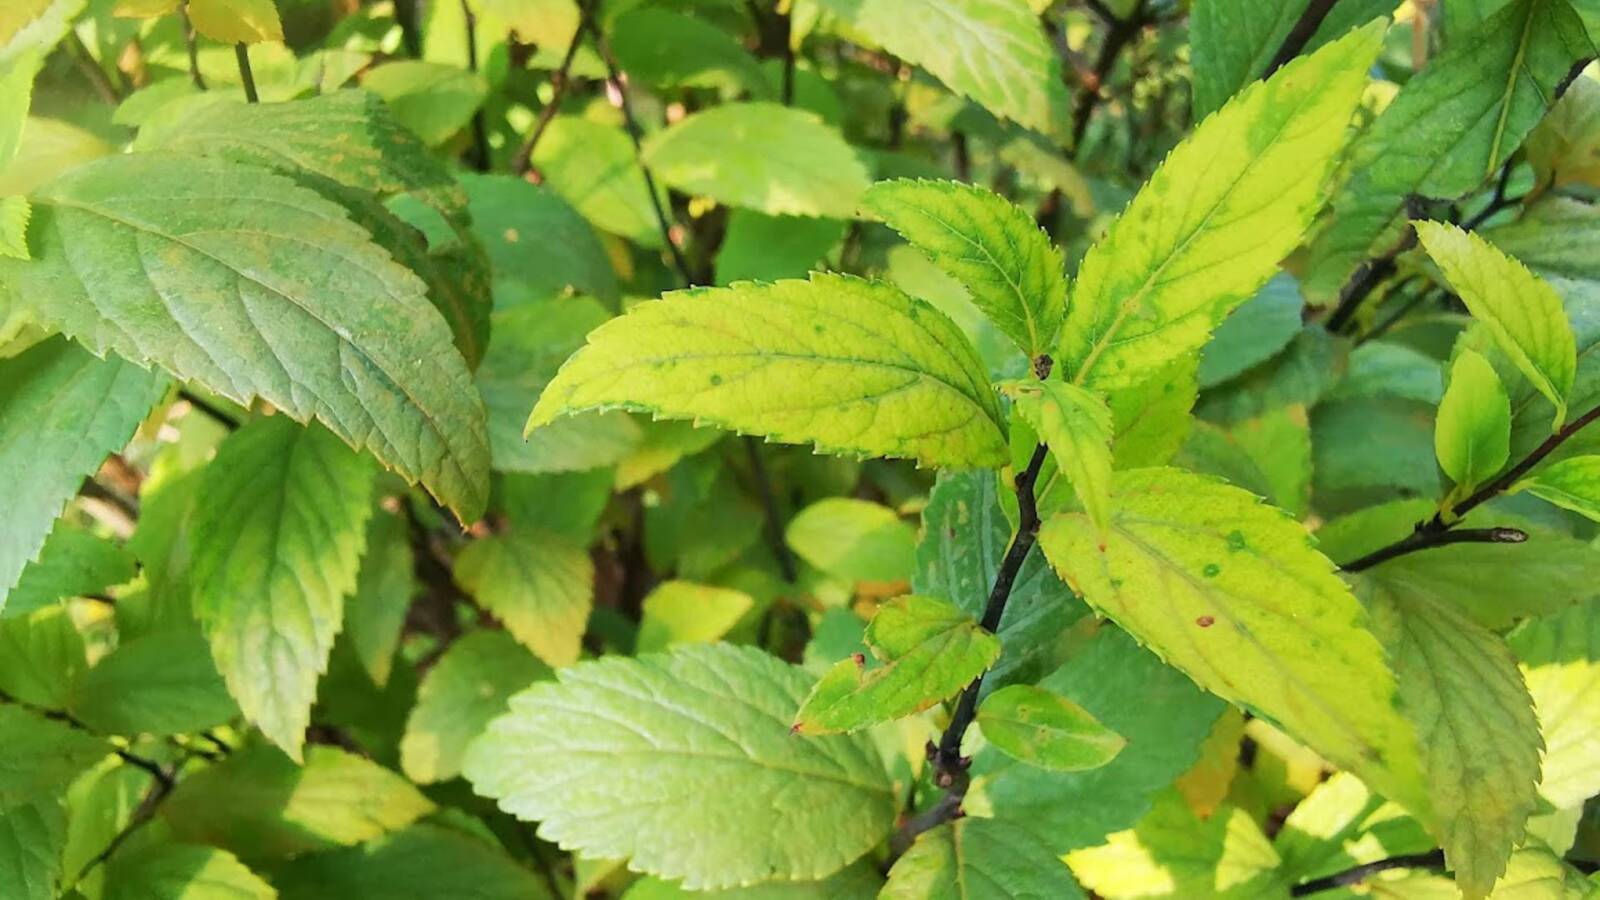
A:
1047, 730
1522, 311
1212, 224
1233, 593
236, 21
1570, 484
1560, 658
1077, 426
458, 697
681, 612
930, 650
540, 584
1472, 433
852, 366
854, 539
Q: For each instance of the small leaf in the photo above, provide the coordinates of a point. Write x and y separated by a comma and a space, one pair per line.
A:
979, 859
459, 696
682, 612
375, 614
1077, 426
852, 366
1570, 484
857, 540
1522, 312
541, 585
1472, 434
666, 48
433, 100
988, 244
236, 21
930, 650
1034, 726
41, 656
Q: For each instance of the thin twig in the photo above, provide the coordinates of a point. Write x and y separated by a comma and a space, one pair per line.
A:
523, 161
98, 79
1121, 33
191, 44
1495, 535
1433, 859
480, 128
241, 52
1300, 35
210, 409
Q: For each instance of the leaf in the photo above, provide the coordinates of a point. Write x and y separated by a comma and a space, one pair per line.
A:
766, 248
259, 805
1211, 225
1253, 333
1243, 596
541, 585
37, 25
1077, 426
459, 696
1565, 147
535, 240
1034, 726
929, 650
770, 158
682, 612
1560, 658
692, 749
852, 366
61, 412
1153, 417
161, 683
856, 540
280, 528
1474, 717
145, 256
593, 166
979, 859
182, 872
1230, 44
1472, 434
375, 613
420, 862
32, 836
1302, 374
236, 21
991, 51
1448, 130
860, 881
40, 658
1523, 313
988, 244
665, 48
16, 95
15, 212
1570, 484
41, 756
433, 100
72, 563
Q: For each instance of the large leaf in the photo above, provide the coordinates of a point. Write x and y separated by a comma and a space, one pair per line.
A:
220, 273
851, 366
279, 530
458, 697
1215, 220
540, 584
159, 683
1560, 657
680, 762
61, 412
1450, 128
1233, 593
421, 862
988, 244
979, 859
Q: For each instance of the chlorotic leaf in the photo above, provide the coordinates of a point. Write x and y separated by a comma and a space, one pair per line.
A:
988, 244
280, 527
236, 21
220, 273
464, 691
1560, 658
182, 871
1212, 224
1521, 311
854, 539
1077, 425
979, 859
1047, 730
851, 366
929, 650
1472, 433
540, 584
1570, 484
1233, 593
682, 612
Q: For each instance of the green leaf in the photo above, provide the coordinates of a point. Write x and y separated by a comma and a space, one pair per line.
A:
1212, 224
1035, 726
593, 166
1522, 312
15, 213
1230, 44
991, 51
852, 366
766, 248
857, 540
535, 240
259, 805
433, 100
40, 658
541, 585
72, 563
979, 859
1153, 417
160, 683
1306, 370
691, 749
32, 836
857, 882
145, 256
16, 95
182, 872
769, 158
929, 650
236, 21
1472, 434
1560, 658
1077, 426
459, 696
420, 862
988, 244
665, 48
682, 612
1253, 333
375, 614
1449, 129
1243, 595
1269, 457
1565, 147
279, 530
1474, 717
41, 755
61, 412
1570, 484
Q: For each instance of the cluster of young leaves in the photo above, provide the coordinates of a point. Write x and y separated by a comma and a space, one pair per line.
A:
983, 449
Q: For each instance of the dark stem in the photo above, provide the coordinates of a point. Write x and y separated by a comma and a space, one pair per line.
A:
98, 79
241, 52
192, 45
1121, 34
769, 506
1433, 859
405, 15
786, 31
164, 783
558, 81
94, 489
480, 129
1300, 34
1366, 279
150, 767
208, 408
962, 156
1496, 535
1497, 202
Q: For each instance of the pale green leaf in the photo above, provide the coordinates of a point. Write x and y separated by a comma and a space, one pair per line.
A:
61, 412
433, 100
423, 862
593, 166
159, 683
1077, 426
278, 534
145, 256
41, 655
857, 540
928, 650
1212, 224
760, 247
32, 836
1535, 873
1472, 433
682, 612
990, 245
459, 696
1570, 484
16, 95
1047, 730
540, 584
770, 158
852, 366
182, 872
1560, 658
1523, 313
979, 859
41, 756
375, 614
1154, 416
1233, 593
681, 762
1269, 457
